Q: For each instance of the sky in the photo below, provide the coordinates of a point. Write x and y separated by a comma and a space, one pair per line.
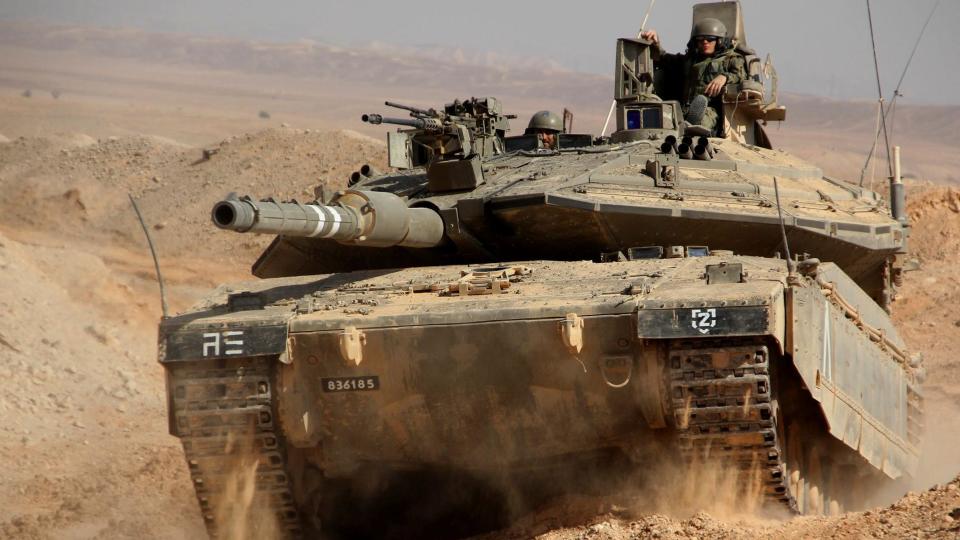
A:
819, 47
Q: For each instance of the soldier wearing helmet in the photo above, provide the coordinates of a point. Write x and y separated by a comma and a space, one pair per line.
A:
709, 64
546, 125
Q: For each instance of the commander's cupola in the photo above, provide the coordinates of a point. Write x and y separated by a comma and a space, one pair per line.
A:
647, 94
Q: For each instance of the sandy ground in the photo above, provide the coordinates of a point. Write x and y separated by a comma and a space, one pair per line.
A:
84, 443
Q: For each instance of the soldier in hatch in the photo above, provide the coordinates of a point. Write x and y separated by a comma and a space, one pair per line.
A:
547, 126
709, 64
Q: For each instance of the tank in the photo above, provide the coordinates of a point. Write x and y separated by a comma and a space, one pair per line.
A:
495, 303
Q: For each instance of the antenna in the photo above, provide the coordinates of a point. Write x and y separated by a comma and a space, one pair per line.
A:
567, 120
153, 252
896, 94
783, 230
876, 68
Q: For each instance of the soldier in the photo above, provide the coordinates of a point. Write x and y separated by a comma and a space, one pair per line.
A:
709, 64
546, 125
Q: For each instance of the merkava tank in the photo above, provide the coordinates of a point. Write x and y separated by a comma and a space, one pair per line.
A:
495, 305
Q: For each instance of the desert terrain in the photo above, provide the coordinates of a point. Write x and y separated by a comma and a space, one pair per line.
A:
90, 116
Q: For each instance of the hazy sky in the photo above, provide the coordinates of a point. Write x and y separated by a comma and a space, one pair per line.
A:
820, 47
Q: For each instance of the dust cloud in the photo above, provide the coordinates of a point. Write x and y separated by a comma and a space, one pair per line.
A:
242, 513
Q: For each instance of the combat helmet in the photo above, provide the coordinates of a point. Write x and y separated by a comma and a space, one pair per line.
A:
546, 121
709, 27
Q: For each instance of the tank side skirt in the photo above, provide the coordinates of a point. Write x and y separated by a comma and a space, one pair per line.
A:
839, 356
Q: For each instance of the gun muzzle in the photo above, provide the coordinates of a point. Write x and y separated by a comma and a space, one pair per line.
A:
367, 218
702, 153
705, 142
369, 171
684, 151
672, 141
374, 119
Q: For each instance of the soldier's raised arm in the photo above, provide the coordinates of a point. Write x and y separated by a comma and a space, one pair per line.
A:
656, 50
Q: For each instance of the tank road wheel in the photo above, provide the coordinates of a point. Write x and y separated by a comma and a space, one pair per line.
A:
814, 498
831, 497
793, 466
810, 479
311, 493
834, 507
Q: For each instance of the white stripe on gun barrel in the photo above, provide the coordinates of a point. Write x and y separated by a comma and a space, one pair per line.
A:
335, 218
320, 220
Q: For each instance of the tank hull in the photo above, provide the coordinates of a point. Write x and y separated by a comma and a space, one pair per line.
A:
480, 369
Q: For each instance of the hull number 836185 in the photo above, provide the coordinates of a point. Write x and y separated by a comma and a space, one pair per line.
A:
350, 384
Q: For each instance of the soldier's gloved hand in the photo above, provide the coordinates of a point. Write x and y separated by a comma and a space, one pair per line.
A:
716, 86
650, 35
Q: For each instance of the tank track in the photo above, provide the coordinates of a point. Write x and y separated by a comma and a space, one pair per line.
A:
720, 394
224, 416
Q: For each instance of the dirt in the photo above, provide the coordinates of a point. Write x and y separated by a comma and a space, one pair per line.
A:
84, 439
934, 513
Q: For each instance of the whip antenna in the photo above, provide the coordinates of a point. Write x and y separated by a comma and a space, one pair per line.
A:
876, 68
896, 92
783, 228
153, 252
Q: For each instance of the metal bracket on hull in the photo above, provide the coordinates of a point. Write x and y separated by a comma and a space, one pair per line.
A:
351, 345
571, 328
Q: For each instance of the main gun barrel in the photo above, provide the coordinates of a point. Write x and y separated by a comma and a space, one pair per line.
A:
429, 124
368, 218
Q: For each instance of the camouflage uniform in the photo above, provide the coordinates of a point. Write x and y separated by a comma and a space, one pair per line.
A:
698, 72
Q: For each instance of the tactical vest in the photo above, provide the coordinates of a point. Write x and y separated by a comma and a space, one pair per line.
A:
700, 71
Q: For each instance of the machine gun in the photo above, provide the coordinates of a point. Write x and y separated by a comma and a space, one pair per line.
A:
450, 143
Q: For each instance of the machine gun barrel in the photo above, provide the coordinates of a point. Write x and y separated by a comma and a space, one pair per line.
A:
428, 124
367, 218
415, 110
